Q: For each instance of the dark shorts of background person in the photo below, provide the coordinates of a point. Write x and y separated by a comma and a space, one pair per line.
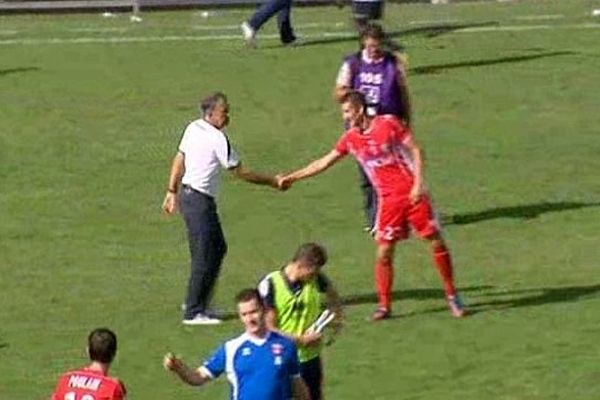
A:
367, 10
207, 248
312, 373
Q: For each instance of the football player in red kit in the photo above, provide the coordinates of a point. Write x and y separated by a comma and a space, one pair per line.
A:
391, 158
93, 382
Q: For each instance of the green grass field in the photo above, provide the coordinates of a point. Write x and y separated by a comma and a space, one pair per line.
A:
506, 99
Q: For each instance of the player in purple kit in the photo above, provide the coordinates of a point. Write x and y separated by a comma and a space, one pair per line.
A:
380, 75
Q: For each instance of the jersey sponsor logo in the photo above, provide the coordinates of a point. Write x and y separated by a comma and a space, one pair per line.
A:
371, 78
84, 382
379, 162
277, 349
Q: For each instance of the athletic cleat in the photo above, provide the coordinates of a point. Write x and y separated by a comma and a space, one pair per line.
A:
456, 306
381, 314
249, 34
202, 319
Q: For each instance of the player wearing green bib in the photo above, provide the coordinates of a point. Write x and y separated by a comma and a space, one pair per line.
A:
293, 298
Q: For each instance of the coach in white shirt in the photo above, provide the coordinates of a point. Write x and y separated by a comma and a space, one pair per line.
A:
203, 151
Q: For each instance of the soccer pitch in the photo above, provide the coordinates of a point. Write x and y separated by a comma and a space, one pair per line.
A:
506, 98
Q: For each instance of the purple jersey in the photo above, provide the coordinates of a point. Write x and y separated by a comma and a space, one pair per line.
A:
378, 81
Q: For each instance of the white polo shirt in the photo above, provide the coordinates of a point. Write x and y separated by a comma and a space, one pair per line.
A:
206, 150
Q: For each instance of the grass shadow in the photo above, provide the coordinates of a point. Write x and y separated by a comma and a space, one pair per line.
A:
419, 294
427, 31
524, 212
438, 68
540, 296
431, 31
9, 71
522, 298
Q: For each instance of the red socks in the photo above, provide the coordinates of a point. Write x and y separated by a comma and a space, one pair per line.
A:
443, 263
384, 278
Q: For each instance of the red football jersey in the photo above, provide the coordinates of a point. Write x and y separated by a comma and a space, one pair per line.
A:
382, 153
87, 384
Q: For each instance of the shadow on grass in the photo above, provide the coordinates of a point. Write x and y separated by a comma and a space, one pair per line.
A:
9, 71
419, 294
427, 31
524, 298
525, 212
517, 298
431, 31
438, 68
537, 297
3, 346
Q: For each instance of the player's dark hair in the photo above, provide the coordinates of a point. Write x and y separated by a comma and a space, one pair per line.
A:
249, 294
209, 103
102, 345
373, 31
311, 253
356, 98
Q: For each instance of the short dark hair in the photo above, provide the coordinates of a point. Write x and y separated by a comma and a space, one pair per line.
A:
355, 98
311, 253
373, 31
102, 345
209, 103
248, 294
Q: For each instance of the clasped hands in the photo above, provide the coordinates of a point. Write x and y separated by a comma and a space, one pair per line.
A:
282, 182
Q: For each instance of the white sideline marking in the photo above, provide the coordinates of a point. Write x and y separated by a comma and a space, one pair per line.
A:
524, 28
539, 17
435, 21
184, 38
92, 30
8, 32
237, 26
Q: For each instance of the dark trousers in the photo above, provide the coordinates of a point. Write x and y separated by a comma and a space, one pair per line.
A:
312, 373
207, 248
370, 197
283, 10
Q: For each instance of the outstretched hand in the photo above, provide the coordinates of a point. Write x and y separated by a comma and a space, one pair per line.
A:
283, 182
171, 362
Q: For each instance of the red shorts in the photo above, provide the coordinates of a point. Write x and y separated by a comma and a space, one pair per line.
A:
396, 215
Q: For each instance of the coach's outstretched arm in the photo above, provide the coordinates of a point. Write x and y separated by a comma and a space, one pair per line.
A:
194, 377
312, 169
245, 174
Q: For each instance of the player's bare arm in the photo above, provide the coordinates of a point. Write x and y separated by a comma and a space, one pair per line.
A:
307, 339
253, 177
418, 188
340, 92
169, 205
194, 377
299, 389
315, 167
343, 83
